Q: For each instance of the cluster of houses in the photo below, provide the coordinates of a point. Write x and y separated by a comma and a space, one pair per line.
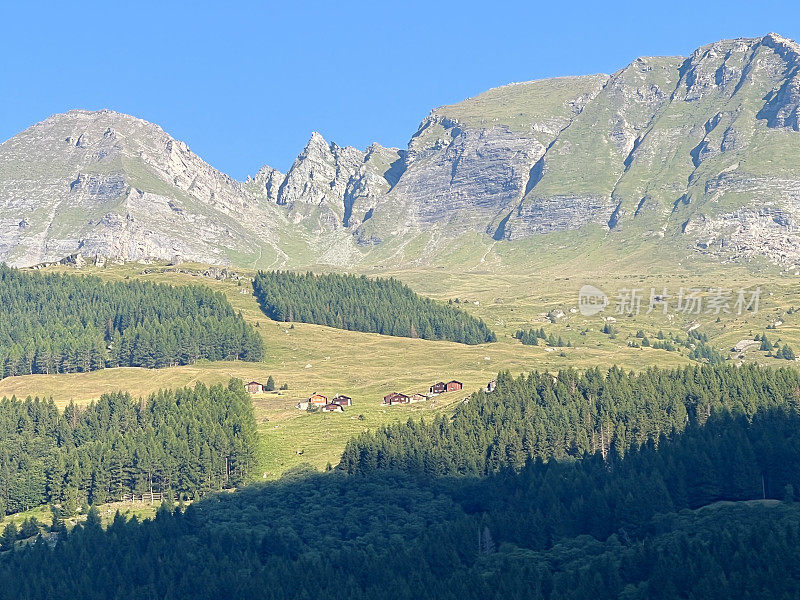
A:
338, 403
320, 402
437, 388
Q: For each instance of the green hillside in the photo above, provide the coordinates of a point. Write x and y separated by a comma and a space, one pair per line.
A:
706, 512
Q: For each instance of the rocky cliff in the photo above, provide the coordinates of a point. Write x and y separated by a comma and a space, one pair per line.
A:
701, 150
103, 183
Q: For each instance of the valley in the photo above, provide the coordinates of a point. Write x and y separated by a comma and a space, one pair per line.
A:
605, 266
312, 358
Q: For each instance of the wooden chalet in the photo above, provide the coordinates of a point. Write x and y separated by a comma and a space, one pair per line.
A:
254, 387
452, 386
318, 400
439, 388
342, 400
418, 398
332, 408
396, 398
490, 387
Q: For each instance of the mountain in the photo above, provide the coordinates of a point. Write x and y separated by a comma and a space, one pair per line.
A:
110, 184
701, 152
330, 187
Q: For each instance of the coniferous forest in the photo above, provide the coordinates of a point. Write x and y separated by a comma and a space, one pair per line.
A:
356, 303
678, 484
65, 324
570, 415
186, 441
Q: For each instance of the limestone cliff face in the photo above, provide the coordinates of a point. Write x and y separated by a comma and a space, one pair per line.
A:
468, 163
327, 183
575, 180
268, 182
697, 149
727, 139
376, 176
667, 140
704, 151
314, 186
110, 184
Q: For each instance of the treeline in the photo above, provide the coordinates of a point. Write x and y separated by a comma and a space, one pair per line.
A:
569, 415
186, 441
65, 324
383, 306
560, 530
531, 337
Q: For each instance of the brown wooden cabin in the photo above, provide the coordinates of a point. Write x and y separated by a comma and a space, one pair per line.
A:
332, 408
318, 399
418, 398
342, 400
396, 398
254, 387
439, 388
453, 386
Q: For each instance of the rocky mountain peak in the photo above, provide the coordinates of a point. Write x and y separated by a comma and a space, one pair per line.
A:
328, 182
316, 147
101, 182
701, 150
268, 181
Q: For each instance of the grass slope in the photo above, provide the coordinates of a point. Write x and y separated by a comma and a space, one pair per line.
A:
514, 287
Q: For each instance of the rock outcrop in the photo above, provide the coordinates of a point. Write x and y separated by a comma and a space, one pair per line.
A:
110, 184
329, 187
701, 150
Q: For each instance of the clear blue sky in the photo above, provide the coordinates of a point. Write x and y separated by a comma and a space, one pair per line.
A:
245, 86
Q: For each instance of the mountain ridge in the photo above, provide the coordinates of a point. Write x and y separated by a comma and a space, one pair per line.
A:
697, 150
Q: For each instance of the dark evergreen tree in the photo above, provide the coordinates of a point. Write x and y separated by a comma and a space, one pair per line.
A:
60, 323
9, 537
189, 441
383, 306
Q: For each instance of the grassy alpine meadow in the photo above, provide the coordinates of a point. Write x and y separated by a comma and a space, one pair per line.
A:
506, 288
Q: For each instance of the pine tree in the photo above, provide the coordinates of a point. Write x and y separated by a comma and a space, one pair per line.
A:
65, 324
9, 537
57, 524
93, 520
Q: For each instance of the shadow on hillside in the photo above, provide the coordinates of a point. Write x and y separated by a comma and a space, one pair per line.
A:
727, 459
532, 533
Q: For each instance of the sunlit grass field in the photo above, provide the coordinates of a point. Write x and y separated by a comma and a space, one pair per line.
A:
311, 358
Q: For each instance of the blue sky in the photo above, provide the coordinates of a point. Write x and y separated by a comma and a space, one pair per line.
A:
245, 85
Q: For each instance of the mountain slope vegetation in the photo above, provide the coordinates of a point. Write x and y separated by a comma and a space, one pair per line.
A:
708, 511
66, 324
355, 303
